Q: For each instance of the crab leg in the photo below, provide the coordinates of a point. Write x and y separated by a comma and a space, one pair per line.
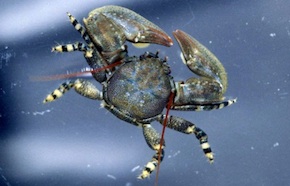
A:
187, 127
205, 106
79, 28
83, 87
77, 46
153, 140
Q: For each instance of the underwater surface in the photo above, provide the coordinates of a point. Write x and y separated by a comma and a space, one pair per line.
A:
73, 141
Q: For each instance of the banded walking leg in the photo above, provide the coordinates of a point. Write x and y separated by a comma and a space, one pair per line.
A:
153, 140
83, 87
205, 106
79, 28
77, 46
187, 127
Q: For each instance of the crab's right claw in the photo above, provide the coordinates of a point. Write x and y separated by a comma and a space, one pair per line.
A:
136, 28
199, 59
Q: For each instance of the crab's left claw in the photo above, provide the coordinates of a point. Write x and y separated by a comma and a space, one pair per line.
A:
136, 28
199, 59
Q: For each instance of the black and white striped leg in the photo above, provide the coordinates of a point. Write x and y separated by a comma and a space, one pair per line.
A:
83, 87
79, 28
153, 140
187, 127
77, 46
205, 106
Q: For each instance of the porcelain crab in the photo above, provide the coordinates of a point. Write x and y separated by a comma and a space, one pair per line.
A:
137, 89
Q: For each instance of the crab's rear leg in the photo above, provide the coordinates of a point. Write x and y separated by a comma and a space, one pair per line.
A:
83, 87
153, 140
187, 127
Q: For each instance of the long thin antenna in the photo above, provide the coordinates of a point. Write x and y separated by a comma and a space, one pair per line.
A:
65, 76
170, 102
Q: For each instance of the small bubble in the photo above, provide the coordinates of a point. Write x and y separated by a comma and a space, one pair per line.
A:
135, 168
263, 18
276, 144
111, 176
128, 184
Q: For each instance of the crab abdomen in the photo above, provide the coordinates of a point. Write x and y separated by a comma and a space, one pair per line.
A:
140, 88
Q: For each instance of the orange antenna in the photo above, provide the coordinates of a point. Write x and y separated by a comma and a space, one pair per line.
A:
65, 76
170, 102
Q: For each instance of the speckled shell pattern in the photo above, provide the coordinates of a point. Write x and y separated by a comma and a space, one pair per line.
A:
140, 87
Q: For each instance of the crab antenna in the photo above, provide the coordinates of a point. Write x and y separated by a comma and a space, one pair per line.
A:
65, 76
169, 104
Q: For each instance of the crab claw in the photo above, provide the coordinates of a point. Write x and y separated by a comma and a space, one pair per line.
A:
107, 36
136, 28
199, 59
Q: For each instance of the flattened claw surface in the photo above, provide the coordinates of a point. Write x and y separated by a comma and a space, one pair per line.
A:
136, 28
108, 35
200, 60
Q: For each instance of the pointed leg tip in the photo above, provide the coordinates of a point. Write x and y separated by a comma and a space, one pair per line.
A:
46, 100
210, 157
49, 98
143, 176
